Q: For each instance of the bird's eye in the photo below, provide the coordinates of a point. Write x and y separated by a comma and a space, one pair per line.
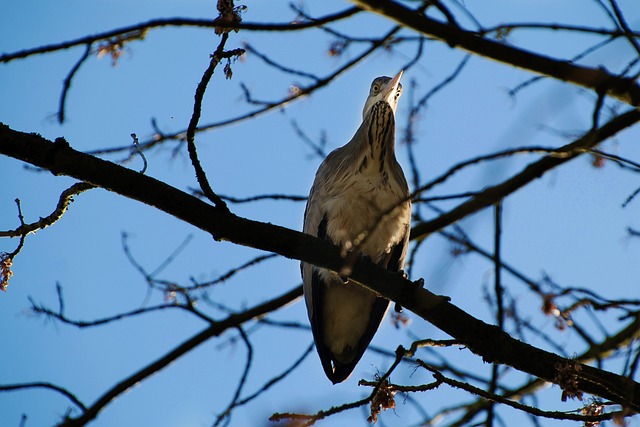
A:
375, 88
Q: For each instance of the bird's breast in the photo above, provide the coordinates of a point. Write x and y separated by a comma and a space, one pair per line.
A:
369, 215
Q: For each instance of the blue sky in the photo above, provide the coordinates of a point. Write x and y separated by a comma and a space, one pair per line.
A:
568, 224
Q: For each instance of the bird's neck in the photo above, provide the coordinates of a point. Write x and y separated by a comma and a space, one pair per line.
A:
376, 139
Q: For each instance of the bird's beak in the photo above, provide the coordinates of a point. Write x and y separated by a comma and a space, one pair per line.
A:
389, 90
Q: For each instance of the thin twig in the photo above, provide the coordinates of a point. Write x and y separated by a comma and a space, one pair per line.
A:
218, 55
67, 82
499, 295
279, 66
226, 414
631, 197
533, 171
622, 22
232, 272
318, 148
232, 321
136, 144
179, 22
66, 393
59, 315
525, 408
66, 197
299, 94
273, 381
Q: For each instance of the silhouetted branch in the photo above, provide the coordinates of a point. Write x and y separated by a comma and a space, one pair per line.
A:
317, 147
49, 386
290, 197
136, 145
602, 350
300, 93
510, 27
66, 197
233, 321
143, 27
622, 22
499, 299
58, 315
279, 66
232, 272
622, 88
67, 82
226, 414
533, 171
591, 49
632, 232
480, 338
6, 259
414, 112
217, 56
273, 381
529, 409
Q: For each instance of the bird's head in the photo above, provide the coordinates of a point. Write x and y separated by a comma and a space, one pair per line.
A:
384, 89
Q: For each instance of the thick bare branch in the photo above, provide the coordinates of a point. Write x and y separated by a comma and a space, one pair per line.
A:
597, 79
488, 341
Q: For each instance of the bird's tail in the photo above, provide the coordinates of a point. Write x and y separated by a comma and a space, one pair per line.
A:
340, 371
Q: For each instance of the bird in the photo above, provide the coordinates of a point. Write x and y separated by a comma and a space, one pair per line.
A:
359, 201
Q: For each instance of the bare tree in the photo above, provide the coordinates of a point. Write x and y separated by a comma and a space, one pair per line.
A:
484, 351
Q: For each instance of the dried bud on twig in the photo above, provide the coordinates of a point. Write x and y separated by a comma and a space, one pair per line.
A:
383, 400
5, 271
567, 379
229, 14
594, 408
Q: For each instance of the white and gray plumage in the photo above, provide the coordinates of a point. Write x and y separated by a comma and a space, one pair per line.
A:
359, 200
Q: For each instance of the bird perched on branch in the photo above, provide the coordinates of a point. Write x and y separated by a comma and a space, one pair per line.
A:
359, 201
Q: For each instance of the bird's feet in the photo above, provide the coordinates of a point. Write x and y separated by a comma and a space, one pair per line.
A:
416, 284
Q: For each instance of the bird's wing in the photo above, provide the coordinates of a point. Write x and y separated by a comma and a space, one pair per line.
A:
335, 370
398, 253
331, 367
316, 313
315, 286
343, 370
394, 263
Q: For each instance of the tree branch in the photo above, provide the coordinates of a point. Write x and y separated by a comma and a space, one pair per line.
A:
179, 22
533, 171
49, 386
491, 343
215, 329
598, 79
63, 203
